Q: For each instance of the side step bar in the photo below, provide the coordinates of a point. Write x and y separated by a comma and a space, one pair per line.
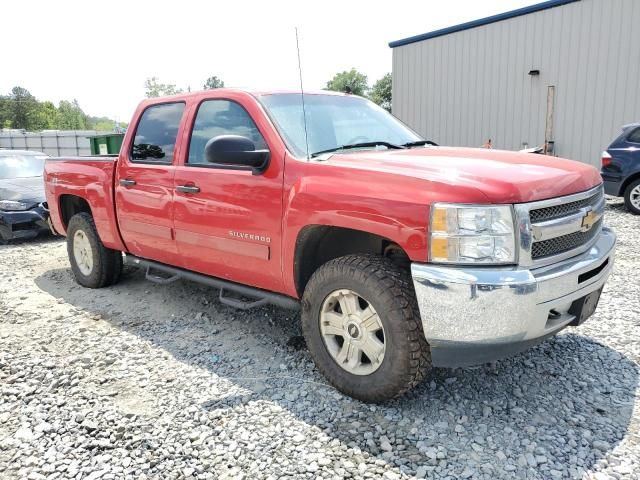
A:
261, 296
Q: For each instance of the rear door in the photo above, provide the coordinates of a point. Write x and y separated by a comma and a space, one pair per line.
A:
228, 226
144, 184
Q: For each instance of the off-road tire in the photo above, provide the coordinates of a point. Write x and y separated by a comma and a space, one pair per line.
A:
107, 263
390, 292
627, 197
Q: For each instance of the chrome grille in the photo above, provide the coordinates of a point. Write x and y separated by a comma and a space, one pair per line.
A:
558, 228
562, 210
562, 244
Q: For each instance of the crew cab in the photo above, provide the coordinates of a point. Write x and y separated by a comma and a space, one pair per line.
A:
400, 254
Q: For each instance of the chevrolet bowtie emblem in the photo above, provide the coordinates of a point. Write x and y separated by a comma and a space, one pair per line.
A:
589, 220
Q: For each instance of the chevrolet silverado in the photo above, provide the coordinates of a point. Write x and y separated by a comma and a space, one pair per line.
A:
401, 255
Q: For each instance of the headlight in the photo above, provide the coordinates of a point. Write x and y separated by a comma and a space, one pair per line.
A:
12, 205
472, 234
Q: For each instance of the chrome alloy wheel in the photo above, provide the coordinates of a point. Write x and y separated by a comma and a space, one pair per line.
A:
82, 252
634, 197
352, 332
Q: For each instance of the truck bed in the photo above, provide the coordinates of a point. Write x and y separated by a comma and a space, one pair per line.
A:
89, 179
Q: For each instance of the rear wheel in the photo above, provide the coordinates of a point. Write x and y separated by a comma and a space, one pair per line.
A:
362, 325
93, 264
632, 197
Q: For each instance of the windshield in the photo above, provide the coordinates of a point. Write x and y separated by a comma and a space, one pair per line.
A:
21, 166
333, 121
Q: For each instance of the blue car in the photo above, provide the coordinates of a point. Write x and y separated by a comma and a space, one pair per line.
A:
621, 167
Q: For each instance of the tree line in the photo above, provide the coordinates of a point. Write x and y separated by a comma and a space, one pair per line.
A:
351, 81
154, 88
355, 82
21, 110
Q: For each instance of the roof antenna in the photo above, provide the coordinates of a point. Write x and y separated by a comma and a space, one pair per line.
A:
304, 112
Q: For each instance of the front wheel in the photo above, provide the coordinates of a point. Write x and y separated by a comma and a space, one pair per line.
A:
93, 264
632, 197
362, 325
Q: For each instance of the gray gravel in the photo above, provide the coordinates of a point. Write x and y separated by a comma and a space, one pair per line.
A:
149, 381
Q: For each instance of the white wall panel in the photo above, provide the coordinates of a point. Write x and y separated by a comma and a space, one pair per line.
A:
56, 143
465, 87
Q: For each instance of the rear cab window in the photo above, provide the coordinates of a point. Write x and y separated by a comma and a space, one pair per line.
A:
156, 133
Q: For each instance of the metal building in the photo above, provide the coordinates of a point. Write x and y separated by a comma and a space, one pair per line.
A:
563, 71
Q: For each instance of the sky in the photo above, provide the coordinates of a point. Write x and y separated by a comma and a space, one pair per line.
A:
100, 53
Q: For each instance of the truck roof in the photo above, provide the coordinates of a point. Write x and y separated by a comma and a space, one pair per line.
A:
255, 93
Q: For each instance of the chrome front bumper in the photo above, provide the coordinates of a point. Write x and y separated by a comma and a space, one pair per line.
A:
476, 315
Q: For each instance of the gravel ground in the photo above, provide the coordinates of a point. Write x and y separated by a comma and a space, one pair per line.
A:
162, 381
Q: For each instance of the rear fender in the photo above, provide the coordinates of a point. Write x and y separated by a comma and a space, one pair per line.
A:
88, 179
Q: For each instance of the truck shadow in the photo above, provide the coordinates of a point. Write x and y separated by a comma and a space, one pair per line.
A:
546, 404
42, 239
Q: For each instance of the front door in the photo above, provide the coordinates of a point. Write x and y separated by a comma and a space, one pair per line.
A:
227, 222
144, 185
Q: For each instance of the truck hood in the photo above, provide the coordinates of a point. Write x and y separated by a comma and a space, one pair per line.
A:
29, 190
503, 176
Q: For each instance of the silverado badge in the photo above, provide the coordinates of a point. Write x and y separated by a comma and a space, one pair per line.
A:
250, 236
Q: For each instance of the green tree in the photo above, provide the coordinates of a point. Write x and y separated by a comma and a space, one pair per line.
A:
381, 92
46, 117
104, 125
213, 82
351, 80
71, 116
5, 112
23, 108
153, 88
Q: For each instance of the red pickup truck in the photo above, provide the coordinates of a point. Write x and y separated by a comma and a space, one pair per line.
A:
400, 254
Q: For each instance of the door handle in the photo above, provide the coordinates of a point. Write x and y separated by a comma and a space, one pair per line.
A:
127, 182
187, 189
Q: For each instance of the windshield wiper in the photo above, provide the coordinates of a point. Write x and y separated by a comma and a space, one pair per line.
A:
419, 143
359, 145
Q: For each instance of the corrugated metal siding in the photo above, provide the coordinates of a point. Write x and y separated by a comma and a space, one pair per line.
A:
469, 86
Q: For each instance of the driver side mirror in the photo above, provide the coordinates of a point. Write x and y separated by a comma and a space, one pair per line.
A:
237, 153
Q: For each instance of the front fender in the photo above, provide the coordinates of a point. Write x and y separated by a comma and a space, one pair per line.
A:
402, 221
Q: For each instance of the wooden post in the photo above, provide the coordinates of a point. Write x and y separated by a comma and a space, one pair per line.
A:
548, 132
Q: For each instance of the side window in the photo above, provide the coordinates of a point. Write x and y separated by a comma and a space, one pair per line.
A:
221, 117
634, 137
156, 133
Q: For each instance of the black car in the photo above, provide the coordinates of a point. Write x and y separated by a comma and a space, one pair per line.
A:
621, 167
23, 208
